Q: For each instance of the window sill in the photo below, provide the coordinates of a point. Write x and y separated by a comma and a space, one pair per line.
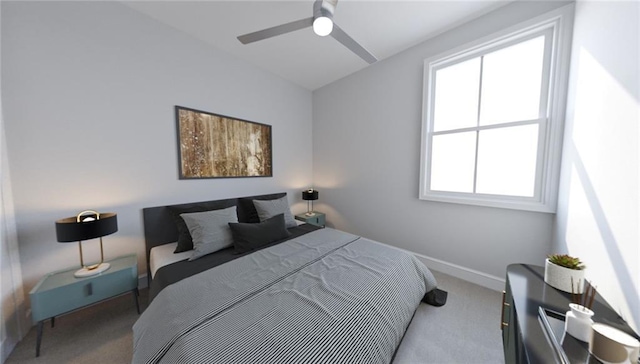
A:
489, 201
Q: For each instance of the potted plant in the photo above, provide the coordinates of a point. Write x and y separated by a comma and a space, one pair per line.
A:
561, 270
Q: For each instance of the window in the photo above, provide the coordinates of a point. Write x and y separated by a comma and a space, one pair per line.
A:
493, 117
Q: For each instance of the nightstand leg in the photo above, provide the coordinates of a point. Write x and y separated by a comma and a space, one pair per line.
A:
39, 338
135, 298
53, 322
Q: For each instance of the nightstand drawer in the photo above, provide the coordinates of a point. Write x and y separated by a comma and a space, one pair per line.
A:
50, 299
61, 292
318, 218
85, 292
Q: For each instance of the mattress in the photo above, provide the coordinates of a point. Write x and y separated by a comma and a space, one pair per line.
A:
163, 255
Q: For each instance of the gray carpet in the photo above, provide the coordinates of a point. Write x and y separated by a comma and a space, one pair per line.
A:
465, 330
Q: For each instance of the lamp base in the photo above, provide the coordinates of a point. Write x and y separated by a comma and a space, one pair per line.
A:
86, 272
310, 213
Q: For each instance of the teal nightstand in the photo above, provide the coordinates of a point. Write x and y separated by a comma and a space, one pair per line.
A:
60, 292
318, 218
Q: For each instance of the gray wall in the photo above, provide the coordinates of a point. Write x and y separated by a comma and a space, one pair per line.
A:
366, 150
598, 216
88, 94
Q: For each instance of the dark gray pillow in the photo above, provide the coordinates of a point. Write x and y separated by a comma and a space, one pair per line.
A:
210, 230
269, 208
252, 236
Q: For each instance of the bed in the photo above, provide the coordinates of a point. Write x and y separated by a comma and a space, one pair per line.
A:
319, 295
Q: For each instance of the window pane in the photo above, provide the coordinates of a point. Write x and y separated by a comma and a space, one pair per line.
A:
456, 99
452, 162
511, 83
507, 161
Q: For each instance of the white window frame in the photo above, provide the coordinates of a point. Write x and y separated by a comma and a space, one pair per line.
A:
558, 26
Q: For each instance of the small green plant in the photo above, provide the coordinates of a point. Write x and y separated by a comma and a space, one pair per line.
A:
566, 261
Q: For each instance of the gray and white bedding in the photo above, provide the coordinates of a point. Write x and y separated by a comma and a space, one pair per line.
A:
326, 296
183, 268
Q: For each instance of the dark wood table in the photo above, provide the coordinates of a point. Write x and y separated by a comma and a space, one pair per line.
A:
523, 333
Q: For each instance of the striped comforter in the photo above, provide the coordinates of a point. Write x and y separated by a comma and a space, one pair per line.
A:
324, 297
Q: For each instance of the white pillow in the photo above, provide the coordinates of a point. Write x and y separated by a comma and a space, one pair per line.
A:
270, 208
210, 230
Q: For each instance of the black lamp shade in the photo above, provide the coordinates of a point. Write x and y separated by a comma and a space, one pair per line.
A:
310, 195
70, 230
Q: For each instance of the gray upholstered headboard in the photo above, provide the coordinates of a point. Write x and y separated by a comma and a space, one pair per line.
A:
160, 228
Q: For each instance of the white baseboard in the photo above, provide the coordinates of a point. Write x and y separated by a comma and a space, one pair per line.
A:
6, 347
467, 274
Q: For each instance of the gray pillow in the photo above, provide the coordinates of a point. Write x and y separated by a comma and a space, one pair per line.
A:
210, 230
271, 208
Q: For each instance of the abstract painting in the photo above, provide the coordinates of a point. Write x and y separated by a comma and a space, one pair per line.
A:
218, 146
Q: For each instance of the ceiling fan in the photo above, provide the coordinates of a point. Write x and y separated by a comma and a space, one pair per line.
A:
323, 25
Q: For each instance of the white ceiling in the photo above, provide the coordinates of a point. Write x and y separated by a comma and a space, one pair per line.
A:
384, 28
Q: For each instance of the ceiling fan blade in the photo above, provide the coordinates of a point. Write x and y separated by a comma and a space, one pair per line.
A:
275, 31
348, 42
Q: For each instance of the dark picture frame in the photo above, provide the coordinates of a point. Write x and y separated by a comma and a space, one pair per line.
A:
219, 146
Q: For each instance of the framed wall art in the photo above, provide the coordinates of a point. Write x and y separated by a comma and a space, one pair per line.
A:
218, 146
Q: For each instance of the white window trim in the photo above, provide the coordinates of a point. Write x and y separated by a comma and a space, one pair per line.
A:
560, 22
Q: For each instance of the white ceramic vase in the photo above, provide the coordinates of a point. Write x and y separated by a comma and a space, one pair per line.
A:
560, 277
578, 322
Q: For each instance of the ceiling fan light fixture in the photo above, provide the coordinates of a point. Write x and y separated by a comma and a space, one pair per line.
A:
322, 26
322, 23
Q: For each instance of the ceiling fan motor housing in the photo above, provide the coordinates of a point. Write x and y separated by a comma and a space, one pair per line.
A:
323, 9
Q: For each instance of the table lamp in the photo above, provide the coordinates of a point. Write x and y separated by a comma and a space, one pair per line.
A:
87, 225
310, 195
